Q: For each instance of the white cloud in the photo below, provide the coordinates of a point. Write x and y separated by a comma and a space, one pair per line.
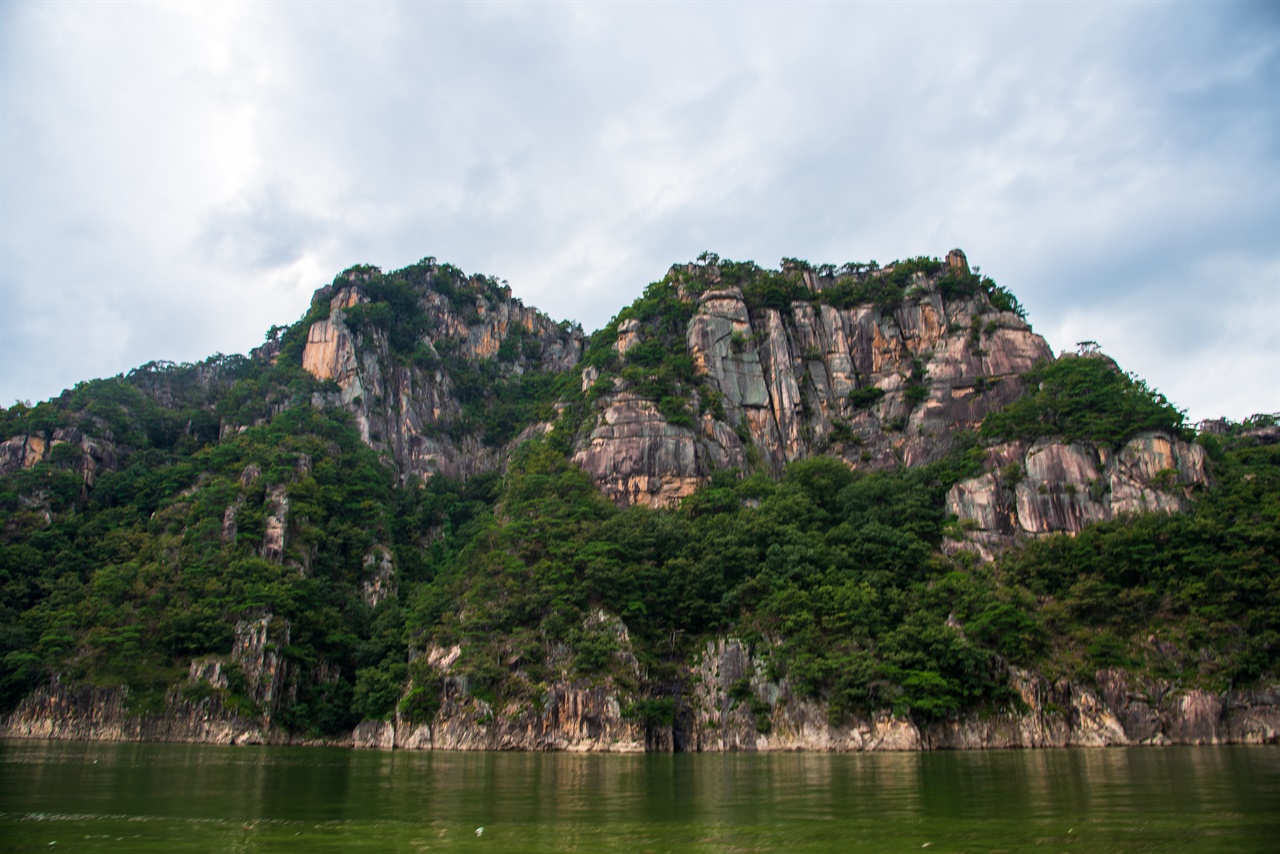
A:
176, 178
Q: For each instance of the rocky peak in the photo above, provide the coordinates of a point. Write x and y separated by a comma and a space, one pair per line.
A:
878, 366
404, 348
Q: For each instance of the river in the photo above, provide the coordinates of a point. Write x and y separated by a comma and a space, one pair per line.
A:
57, 796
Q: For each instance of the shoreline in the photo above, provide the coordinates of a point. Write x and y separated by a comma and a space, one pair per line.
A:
587, 719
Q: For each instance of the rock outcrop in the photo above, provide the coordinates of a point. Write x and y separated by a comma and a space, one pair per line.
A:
81, 713
1049, 487
875, 387
65, 446
259, 639
637, 457
407, 406
574, 717
569, 713
732, 705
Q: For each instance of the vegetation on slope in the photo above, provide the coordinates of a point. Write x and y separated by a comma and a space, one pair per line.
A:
836, 578
1193, 598
1084, 398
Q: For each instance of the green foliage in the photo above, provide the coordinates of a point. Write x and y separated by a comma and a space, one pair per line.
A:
763, 289
1083, 398
1207, 581
378, 689
656, 366
835, 578
865, 398
916, 392
884, 289
654, 713
421, 704
498, 405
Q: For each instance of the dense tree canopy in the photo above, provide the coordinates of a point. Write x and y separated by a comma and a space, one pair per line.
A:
837, 579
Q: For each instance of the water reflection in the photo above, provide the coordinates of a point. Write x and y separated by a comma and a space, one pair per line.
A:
253, 798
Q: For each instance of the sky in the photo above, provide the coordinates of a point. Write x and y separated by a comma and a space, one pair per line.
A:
175, 178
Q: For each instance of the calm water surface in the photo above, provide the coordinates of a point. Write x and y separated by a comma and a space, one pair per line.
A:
57, 796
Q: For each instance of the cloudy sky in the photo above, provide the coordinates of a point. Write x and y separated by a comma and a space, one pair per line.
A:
176, 178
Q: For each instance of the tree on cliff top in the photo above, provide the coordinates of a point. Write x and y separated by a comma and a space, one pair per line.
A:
1084, 398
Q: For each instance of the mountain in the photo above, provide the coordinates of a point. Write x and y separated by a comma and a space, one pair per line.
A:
811, 507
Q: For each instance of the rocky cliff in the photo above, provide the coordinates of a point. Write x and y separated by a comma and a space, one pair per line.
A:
85, 455
735, 706
1047, 487
229, 520
410, 404
732, 705
876, 385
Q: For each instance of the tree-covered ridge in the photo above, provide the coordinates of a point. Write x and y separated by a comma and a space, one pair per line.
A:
838, 580
850, 284
123, 569
147, 518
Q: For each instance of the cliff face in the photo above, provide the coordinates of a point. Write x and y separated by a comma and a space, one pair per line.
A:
735, 706
1048, 487
731, 706
82, 713
203, 710
877, 383
875, 387
407, 406
84, 454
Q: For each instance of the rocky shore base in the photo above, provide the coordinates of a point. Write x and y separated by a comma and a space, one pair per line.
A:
1112, 711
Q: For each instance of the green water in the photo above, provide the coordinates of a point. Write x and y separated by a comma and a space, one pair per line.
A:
153, 797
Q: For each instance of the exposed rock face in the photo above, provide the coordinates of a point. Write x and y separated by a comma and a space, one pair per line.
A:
718, 716
381, 583
27, 451
785, 379
637, 457
405, 408
572, 714
1058, 714
273, 538
102, 714
722, 722
21, 452
1050, 487
573, 717
258, 641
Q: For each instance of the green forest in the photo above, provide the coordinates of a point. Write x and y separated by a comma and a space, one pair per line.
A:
837, 578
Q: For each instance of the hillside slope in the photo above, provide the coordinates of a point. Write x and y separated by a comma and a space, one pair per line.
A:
825, 508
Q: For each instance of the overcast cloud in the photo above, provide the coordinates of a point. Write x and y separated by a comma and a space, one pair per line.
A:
174, 179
